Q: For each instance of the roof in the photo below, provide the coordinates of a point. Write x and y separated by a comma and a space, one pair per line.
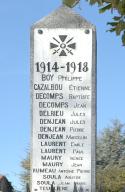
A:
1, 177
5, 180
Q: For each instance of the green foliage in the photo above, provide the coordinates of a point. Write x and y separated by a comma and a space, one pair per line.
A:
107, 7
111, 179
117, 24
110, 146
111, 158
70, 3
116, 7
25, 175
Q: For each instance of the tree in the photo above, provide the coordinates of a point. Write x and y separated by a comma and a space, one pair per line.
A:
110, 146
111, 158
111, 179
71, 3
25, 175
117, 7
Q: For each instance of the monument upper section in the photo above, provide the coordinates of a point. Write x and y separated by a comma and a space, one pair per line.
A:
63, 17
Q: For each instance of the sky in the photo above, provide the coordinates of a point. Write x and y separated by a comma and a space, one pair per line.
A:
16, 18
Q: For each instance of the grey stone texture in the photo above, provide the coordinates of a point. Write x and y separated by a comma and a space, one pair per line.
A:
64, 17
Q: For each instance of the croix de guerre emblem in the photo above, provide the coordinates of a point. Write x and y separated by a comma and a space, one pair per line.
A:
63, 45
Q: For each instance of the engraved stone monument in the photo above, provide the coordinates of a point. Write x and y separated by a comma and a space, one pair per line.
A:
63, 80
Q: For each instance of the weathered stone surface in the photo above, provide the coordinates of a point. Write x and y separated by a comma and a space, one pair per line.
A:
65, 19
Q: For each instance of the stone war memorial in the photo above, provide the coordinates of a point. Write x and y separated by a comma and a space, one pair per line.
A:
63, 89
